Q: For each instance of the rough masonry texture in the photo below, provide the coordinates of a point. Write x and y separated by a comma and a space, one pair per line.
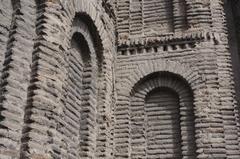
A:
119, 79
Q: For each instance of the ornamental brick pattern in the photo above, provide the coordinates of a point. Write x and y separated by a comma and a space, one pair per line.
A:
119, 79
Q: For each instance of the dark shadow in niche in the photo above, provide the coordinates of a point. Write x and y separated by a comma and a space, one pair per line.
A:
162, 110
85, 61
79, 43
164, 83
79, 64
95, 37
81, 47
232, 11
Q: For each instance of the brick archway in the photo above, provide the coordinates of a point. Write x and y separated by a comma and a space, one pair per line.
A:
89, 8
83, 65
127, 87
179, 139
104, 40
51, 53
191, 76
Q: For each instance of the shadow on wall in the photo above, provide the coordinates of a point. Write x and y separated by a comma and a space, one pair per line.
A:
161, 117
232, 11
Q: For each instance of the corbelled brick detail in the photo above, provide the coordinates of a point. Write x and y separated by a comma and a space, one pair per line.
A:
49, 120
118, 79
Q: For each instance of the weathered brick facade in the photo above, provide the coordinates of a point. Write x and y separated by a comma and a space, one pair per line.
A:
119, 79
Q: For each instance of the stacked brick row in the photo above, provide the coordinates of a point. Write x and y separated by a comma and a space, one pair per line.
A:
136, 20
52, 104
180, 15
157, 17
163, 128
88, 87
215, 110
6, 9
151, 132
198, 14
46, 123
123, 20
232, 14
73, 103
126, 67
230, 109
149, 18
15, 77
57, 90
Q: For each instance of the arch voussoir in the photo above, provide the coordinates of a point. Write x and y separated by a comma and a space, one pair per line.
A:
143, 70
150, 75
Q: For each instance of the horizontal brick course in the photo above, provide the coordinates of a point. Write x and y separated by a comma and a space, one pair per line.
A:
117, 79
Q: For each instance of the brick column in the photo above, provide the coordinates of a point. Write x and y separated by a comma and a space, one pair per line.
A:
16, 76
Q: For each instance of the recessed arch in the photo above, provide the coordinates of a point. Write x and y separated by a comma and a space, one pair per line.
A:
84, 26
83, 65
163, 126
79, 43
89, 14
166, 75
147, 68
132, 90
170, 108
105, 48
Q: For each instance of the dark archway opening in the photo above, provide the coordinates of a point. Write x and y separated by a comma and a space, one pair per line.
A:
232, 11
84, 68
79, 44
162, 120
94, 35
163, 123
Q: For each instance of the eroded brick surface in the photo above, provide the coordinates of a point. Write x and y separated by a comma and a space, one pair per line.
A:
119, 79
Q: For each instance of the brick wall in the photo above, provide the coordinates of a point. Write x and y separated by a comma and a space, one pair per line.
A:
52, 104
199, 54
117, 79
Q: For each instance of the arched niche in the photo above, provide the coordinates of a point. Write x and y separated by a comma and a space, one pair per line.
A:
126, 88
161, 118
83, 72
